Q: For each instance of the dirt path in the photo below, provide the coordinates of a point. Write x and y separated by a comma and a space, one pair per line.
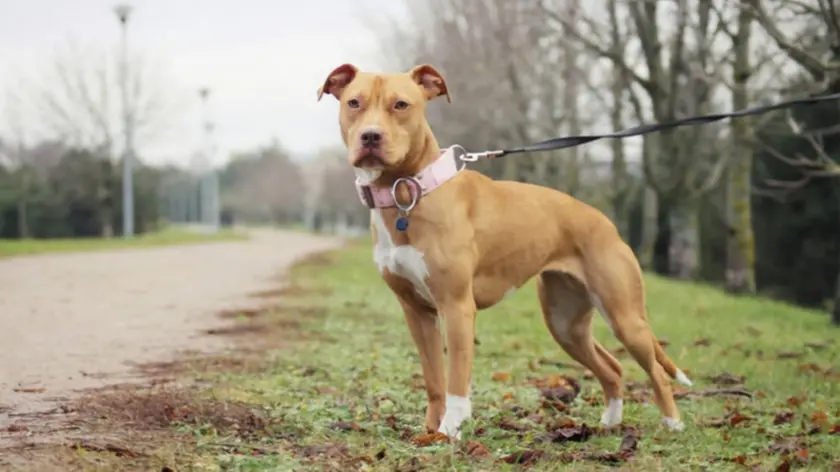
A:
78, 321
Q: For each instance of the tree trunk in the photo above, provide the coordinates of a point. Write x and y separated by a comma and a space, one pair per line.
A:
740, 264
23, 206
649, 228
835, 313
662, 241
683, 253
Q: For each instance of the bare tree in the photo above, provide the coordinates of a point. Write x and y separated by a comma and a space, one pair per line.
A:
16, 154
815, 47
78, 99
740, 266
508, 73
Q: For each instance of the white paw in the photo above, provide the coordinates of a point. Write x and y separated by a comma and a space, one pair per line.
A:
673, 425
683, 379
458, 409
612, 415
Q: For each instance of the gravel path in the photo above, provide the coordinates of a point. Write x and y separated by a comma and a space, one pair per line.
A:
77, 321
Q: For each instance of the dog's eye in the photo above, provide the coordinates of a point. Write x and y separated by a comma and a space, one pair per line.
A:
353, 103
400, 105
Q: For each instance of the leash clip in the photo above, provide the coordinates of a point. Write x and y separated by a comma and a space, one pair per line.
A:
475, 156
462, 155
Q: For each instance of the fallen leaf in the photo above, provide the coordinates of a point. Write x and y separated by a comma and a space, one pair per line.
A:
802, 455
500, 376
507, 425
783, 417
629, 443
476, 449
702, 342
535, 418
345, 426
391, 421
726, 378
507, 397
737, 419
796, 401
558, 387
834, 429
525, 457
810, 368
29, 390
820, 418
787, 445
428, 439
579, 433
784, 466
561, 423
554, 405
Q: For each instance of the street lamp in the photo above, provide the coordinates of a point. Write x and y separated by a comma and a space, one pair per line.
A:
123, 11
210, 194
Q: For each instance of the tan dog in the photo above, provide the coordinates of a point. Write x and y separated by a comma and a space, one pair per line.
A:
470, 240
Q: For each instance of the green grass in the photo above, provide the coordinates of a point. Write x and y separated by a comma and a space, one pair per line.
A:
362, 369
166, 237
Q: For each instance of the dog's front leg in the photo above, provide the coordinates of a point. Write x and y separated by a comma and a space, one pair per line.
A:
459, 316
423, 324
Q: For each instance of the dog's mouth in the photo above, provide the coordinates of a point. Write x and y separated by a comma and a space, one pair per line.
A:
369, 158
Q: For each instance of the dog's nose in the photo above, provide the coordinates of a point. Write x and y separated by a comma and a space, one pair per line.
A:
371, 138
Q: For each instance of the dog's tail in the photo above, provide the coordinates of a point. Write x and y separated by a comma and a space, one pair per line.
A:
667, 364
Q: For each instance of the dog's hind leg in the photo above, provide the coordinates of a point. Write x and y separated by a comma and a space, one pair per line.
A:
568, 312
615, 282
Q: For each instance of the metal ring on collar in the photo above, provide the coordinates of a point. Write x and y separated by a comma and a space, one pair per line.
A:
461, 154
415, 196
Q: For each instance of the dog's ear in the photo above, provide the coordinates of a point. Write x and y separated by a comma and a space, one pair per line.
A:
339, 78
431, 80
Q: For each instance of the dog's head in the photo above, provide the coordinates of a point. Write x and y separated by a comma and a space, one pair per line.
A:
383, 115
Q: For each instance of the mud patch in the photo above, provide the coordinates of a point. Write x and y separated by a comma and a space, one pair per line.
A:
160, 408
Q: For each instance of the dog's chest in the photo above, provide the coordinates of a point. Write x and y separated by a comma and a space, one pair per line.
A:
404, 260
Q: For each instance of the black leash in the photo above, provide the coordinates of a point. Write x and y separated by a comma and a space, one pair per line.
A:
571, 141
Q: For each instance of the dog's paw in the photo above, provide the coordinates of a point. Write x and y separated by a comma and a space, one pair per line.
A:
458, 409
612, 416
673, 425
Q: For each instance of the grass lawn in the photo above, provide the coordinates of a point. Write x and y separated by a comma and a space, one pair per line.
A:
350, 396
166, 237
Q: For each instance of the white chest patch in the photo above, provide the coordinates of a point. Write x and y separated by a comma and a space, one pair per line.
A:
404, 261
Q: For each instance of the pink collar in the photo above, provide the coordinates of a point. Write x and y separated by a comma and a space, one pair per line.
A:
430, 178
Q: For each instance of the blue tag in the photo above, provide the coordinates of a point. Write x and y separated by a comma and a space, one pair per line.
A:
402, 223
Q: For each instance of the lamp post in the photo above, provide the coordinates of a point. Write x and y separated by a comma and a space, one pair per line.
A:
210, 187
123, 11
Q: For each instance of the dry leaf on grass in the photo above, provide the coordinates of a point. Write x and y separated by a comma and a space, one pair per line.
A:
476, 449
525, 457
783, 417
500, 376
345, 426
428, 439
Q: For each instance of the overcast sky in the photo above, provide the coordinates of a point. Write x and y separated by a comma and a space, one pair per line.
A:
263, 60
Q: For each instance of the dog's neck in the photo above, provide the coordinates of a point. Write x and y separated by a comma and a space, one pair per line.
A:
422, 154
